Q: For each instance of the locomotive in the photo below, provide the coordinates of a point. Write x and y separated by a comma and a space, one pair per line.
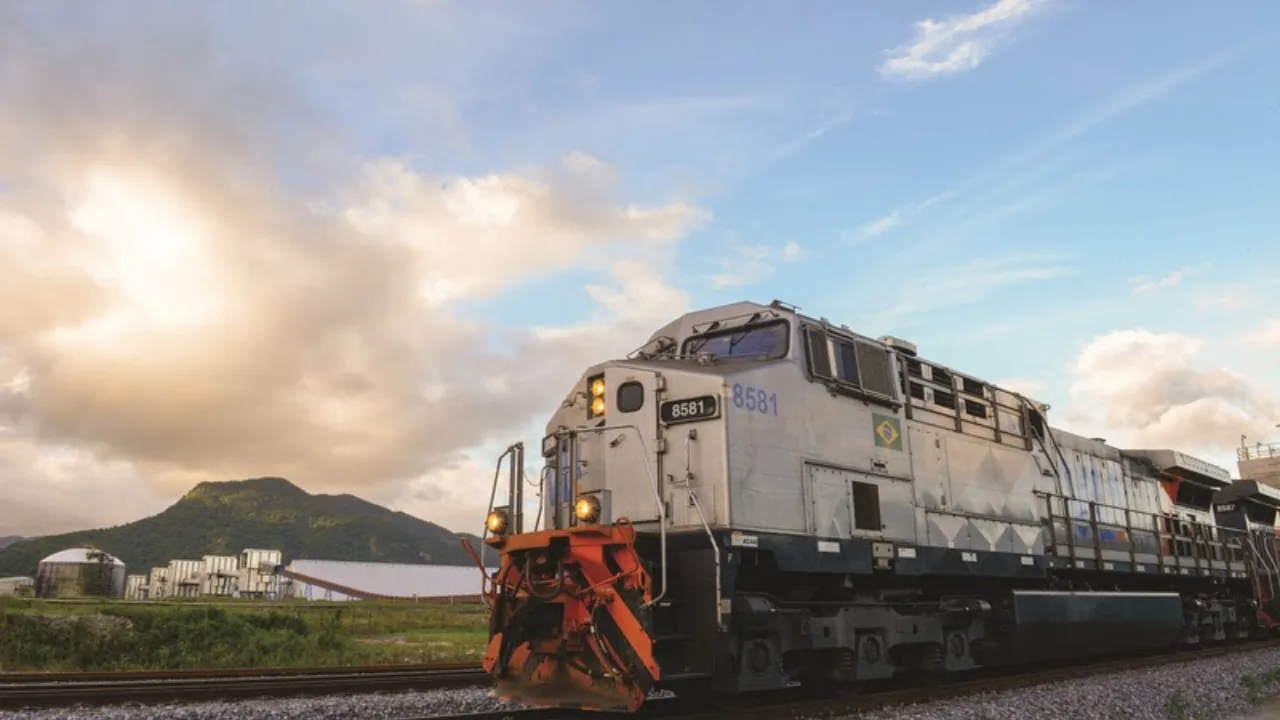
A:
756, 499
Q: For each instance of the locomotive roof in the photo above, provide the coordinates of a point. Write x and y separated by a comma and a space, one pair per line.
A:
1184, 466
1093, 446
1250, 490
698, 321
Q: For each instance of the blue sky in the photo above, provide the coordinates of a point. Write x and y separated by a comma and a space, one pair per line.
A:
1077, 199
1103, 166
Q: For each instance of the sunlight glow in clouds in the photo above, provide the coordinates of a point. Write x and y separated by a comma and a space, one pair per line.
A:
149, 246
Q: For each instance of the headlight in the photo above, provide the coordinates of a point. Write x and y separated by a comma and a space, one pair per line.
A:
587, 508
595, 395
498, 521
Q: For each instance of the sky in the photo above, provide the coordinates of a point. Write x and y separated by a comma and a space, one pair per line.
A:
365, 245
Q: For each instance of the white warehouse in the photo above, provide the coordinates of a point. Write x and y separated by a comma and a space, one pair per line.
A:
339, 580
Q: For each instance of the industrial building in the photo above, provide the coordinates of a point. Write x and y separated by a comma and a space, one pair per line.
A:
1260, 462
253, 573
256, 575
133, 585
184, 578
157, 585
80, 572
219, 575
335, 580
17, 586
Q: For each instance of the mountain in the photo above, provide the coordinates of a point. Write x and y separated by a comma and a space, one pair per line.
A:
8, 540
223, 518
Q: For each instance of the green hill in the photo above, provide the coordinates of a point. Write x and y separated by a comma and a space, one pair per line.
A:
223, 518
8, 540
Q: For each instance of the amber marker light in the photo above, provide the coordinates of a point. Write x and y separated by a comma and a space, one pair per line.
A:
497, 522
587, 509
596, 389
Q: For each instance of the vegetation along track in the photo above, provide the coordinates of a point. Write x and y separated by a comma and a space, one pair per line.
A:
794, 706
32, 690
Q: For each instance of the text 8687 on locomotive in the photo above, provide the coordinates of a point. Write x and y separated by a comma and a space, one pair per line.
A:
757, 499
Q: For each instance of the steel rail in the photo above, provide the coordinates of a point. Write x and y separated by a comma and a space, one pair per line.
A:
44, 690
7, 678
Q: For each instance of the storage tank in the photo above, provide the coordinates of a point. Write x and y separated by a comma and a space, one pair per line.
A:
80, 572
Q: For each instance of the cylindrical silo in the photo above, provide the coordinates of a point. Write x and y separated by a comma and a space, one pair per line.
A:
80, 572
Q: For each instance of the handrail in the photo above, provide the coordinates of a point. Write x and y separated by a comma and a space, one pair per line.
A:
1189, 530
1040, 439
1259, 451
515, 492
693, 498
542, 495
653, 478
1272, 565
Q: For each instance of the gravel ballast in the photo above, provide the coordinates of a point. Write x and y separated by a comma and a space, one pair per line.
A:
1203, 689
1213, 688
370, 706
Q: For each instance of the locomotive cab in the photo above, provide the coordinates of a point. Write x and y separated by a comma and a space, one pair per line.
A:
614, 588
1250, 507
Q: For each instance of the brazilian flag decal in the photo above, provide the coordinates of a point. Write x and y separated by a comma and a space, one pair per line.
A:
888, 431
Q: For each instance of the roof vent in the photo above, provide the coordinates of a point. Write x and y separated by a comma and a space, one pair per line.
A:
902, 346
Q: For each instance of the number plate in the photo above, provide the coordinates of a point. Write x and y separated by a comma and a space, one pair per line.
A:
672, 412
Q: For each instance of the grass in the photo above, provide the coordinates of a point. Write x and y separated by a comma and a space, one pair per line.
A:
1258, 686
67, 636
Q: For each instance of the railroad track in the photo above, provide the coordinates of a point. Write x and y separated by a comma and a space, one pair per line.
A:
35, 690
44, 690
794, 706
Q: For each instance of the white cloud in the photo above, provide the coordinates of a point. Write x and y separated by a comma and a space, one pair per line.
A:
900, 216
882, 224
747, 264
841, 116
969, 282
959, 43
172, 310
1266, 336
1145, 284
49, 488
1143, 389
990, 192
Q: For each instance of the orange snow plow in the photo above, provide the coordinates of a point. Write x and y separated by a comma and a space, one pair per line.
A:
568, 619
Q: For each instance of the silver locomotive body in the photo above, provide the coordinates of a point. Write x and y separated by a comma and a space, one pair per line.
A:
817, 506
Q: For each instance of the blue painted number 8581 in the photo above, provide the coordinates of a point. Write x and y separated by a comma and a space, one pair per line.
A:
754, 399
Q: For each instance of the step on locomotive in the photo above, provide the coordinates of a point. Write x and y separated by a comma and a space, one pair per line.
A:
756, 499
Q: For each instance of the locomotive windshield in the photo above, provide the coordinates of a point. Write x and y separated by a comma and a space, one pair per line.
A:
766, 341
